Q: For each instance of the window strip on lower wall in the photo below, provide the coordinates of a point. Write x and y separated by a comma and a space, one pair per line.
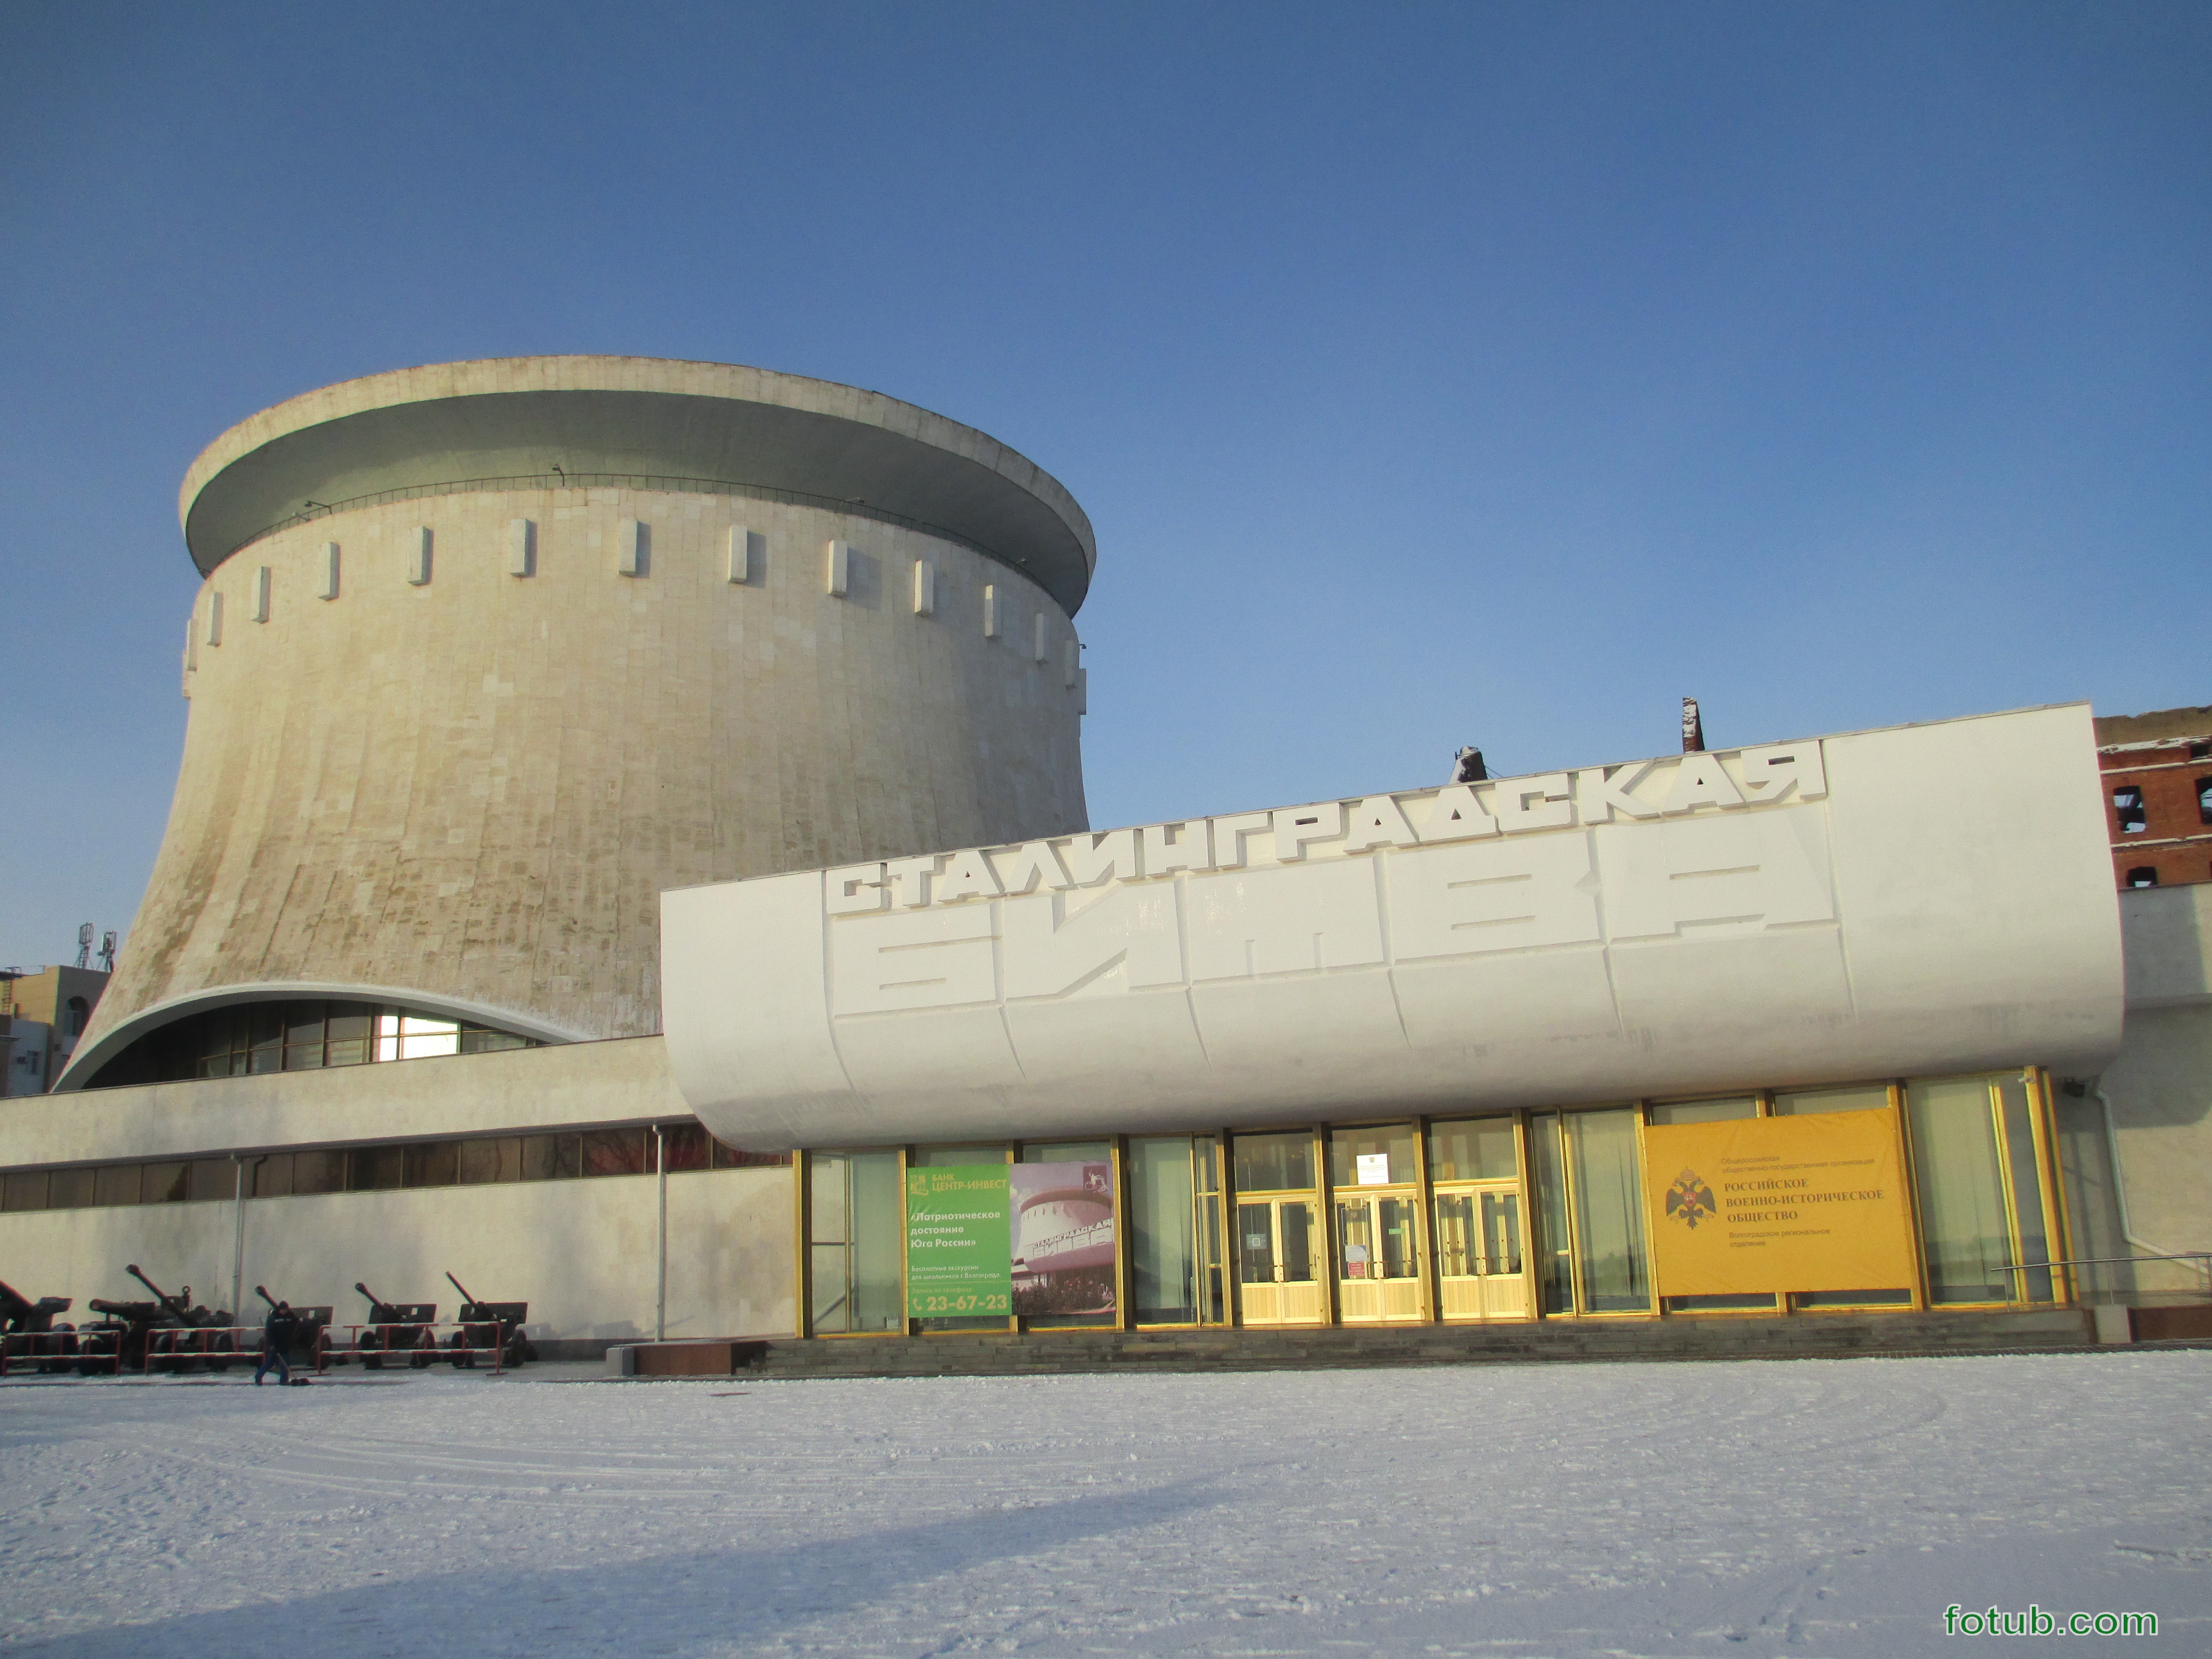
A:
447, 1160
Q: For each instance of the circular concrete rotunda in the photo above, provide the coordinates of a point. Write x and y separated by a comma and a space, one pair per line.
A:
489, 654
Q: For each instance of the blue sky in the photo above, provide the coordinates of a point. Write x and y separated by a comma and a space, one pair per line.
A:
1432, 374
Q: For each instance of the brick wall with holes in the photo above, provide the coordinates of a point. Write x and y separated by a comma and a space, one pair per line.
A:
2158, 808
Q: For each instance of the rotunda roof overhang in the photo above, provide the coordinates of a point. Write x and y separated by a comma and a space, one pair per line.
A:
650, 422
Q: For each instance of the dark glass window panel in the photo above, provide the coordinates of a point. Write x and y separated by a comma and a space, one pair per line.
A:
549, 1157
303, 1037
485, 1161
1853, 1299
482, 1040
1548, 1170
376, 1169
164, 1183
615, 1151
1613, 1252
432, 1162
733, 1157
319, 1172
346, 1025
2204, 799
2127, 808
685, 1146
267, 1026
267, 1059
269, 1176
24, 1190
69, 1189
1274, 1163
213, 1177
115, 1183
1394, 1144
1473, 1149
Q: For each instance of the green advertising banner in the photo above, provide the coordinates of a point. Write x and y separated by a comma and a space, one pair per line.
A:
959, 1242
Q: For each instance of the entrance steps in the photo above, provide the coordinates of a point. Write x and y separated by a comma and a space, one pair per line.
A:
1045, 1353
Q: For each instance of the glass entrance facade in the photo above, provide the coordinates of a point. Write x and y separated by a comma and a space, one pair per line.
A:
1175, 1230
1544, 1213
1278, 1242
1375, 1180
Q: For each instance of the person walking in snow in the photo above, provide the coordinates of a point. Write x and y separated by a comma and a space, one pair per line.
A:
277, 1332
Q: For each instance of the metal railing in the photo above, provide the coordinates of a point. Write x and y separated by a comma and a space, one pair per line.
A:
2203, 1259
461, 1344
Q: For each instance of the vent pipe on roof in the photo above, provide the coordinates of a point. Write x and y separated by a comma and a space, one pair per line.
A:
1693, 729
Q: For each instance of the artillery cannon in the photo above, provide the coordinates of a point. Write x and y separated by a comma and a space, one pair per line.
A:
478, 1319
167, 1334
396, 1327
307, 1326
50, 1347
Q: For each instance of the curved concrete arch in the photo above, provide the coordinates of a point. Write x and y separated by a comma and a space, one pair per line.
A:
414, 429
85, 1062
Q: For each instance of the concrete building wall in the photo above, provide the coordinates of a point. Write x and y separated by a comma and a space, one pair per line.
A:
475, 788
473, 683
517, 1091
583, 1253
2160, 1088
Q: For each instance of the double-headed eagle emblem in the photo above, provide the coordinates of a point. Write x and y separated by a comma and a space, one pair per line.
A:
1689, 1200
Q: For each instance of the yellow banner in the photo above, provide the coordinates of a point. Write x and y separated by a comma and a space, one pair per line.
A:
1761, 1204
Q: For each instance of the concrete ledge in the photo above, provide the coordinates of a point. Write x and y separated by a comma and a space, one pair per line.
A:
1802, 1336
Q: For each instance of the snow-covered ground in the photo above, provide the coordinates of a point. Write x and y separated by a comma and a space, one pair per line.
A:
1807, 1507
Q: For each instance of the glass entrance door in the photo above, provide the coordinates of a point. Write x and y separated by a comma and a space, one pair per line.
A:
1275, 1262
1378, 1257
1480, 1272
1279, 1281
1374, 1189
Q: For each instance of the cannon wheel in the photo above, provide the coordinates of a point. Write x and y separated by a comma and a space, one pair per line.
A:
224, 1347
463, 1359
370, 1346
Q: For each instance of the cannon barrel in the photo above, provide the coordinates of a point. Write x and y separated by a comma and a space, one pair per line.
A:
19, 1314
170, 1304
458, 1285
265, 1296
146, 1312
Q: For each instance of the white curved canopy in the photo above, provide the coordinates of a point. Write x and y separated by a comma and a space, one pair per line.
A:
1910, 902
